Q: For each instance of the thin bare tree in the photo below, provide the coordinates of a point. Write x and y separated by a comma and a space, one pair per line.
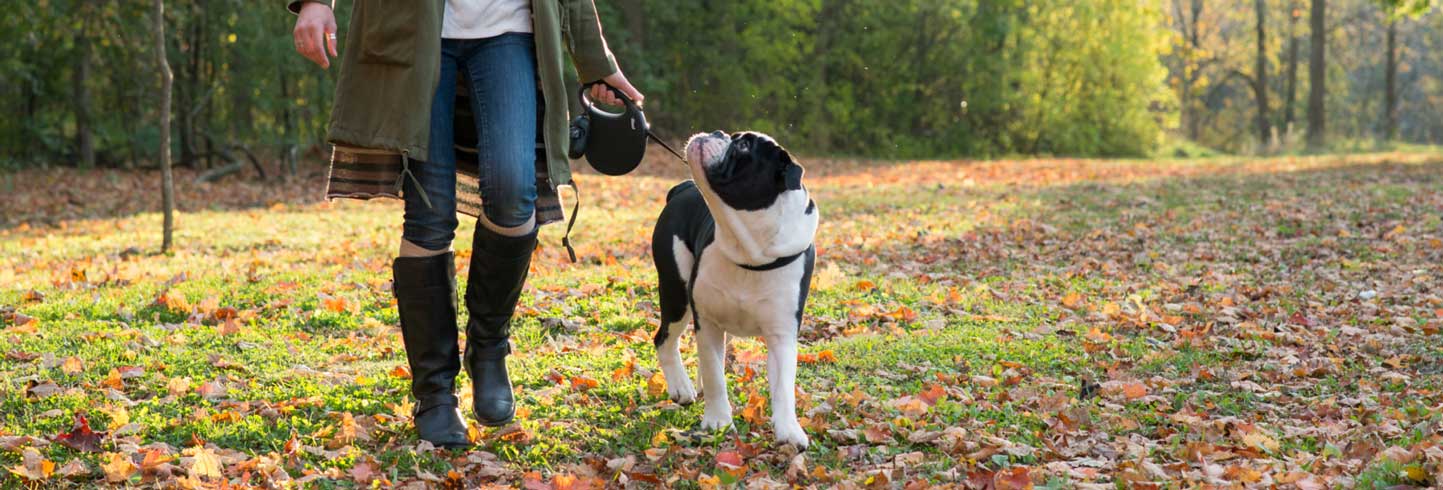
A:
166, 78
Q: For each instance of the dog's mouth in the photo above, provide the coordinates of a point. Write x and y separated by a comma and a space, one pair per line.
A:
707, 149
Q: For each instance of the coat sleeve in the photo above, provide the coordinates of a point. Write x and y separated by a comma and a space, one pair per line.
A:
589, 52
295, 5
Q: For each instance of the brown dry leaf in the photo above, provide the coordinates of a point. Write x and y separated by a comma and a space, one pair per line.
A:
33, 466
656, 385
1014, 478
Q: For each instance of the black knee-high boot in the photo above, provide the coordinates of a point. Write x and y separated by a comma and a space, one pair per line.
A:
425, 289
498, 270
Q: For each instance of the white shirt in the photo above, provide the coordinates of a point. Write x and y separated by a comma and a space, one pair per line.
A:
478, 19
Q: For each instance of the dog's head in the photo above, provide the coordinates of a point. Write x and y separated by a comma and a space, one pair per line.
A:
754, 190
748, 170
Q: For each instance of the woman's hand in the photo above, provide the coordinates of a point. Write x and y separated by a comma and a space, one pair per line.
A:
618, 80
315, 32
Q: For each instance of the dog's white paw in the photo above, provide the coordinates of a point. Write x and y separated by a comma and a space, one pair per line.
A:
682, 393
716, 419
792, 434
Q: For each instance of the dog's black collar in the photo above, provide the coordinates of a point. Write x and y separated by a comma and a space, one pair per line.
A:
775, 264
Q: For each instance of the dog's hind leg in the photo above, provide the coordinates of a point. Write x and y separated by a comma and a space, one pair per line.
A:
668, 355
781, 378
711, 358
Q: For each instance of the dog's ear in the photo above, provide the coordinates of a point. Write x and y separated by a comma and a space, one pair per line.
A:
792, 176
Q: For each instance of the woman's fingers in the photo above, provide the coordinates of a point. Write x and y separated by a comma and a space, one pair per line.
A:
619, 81
603, 95
315, 28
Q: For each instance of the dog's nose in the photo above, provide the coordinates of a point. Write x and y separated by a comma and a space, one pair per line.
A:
718, 134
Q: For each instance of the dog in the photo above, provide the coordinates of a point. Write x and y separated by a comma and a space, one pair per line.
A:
734, 254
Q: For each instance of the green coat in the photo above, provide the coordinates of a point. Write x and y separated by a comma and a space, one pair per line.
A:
388, 75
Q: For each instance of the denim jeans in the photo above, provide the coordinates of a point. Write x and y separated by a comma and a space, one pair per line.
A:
501, 72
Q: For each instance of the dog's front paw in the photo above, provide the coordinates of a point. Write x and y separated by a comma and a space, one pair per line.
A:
716, 419
792, 434
682, 393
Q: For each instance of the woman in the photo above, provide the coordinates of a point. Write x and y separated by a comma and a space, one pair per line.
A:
405, 65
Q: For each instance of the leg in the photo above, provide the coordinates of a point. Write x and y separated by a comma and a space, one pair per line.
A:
430, 223
781, 378
502, 75
711, 356
425, 288
501, 72
668, 355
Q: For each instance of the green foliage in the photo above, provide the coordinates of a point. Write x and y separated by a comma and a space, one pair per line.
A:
933, 78
906, 79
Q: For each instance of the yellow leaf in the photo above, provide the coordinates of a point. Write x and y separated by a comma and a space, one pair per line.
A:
709, 482
660, 439
205, 463
1261, 441
656, 385
72, 365
118, 469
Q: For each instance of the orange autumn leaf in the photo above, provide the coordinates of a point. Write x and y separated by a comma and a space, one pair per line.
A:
826, 356
933, 394
656, 385
865, 285
336, 304
401, 372
625, 371
583, 383
1072, 301
1134, 391
113, 380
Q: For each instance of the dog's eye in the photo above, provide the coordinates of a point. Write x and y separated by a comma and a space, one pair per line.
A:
743, 145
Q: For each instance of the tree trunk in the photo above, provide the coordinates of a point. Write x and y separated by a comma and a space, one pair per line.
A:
167, 181
1317, 74
84, 141
1390, 93
1260, 81
1292, 88
634, 12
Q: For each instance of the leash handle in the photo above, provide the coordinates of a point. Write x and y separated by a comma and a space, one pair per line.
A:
590, 107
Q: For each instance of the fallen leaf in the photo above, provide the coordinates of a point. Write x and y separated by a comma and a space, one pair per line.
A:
118, 468
80, 437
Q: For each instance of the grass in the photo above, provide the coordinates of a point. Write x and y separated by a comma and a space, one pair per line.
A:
1076, 322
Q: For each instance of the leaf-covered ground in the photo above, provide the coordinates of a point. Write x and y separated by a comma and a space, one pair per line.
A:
1048, 323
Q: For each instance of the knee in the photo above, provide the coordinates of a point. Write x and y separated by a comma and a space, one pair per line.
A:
431, 230
512, 211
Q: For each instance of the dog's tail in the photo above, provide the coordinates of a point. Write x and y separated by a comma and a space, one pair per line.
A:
680, 188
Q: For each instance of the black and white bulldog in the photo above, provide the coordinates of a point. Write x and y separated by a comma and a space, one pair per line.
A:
733, 252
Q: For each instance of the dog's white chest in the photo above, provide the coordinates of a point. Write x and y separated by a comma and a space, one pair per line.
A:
744, 302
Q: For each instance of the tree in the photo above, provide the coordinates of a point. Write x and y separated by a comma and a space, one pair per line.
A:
1260, 79
1395, 11
1317, 74
1294, 13
167, 181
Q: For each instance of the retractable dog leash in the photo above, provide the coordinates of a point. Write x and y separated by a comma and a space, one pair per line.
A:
614, 144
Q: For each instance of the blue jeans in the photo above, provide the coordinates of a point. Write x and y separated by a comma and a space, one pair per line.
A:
501, 72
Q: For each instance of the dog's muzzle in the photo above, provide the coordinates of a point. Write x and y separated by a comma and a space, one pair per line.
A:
707, 149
